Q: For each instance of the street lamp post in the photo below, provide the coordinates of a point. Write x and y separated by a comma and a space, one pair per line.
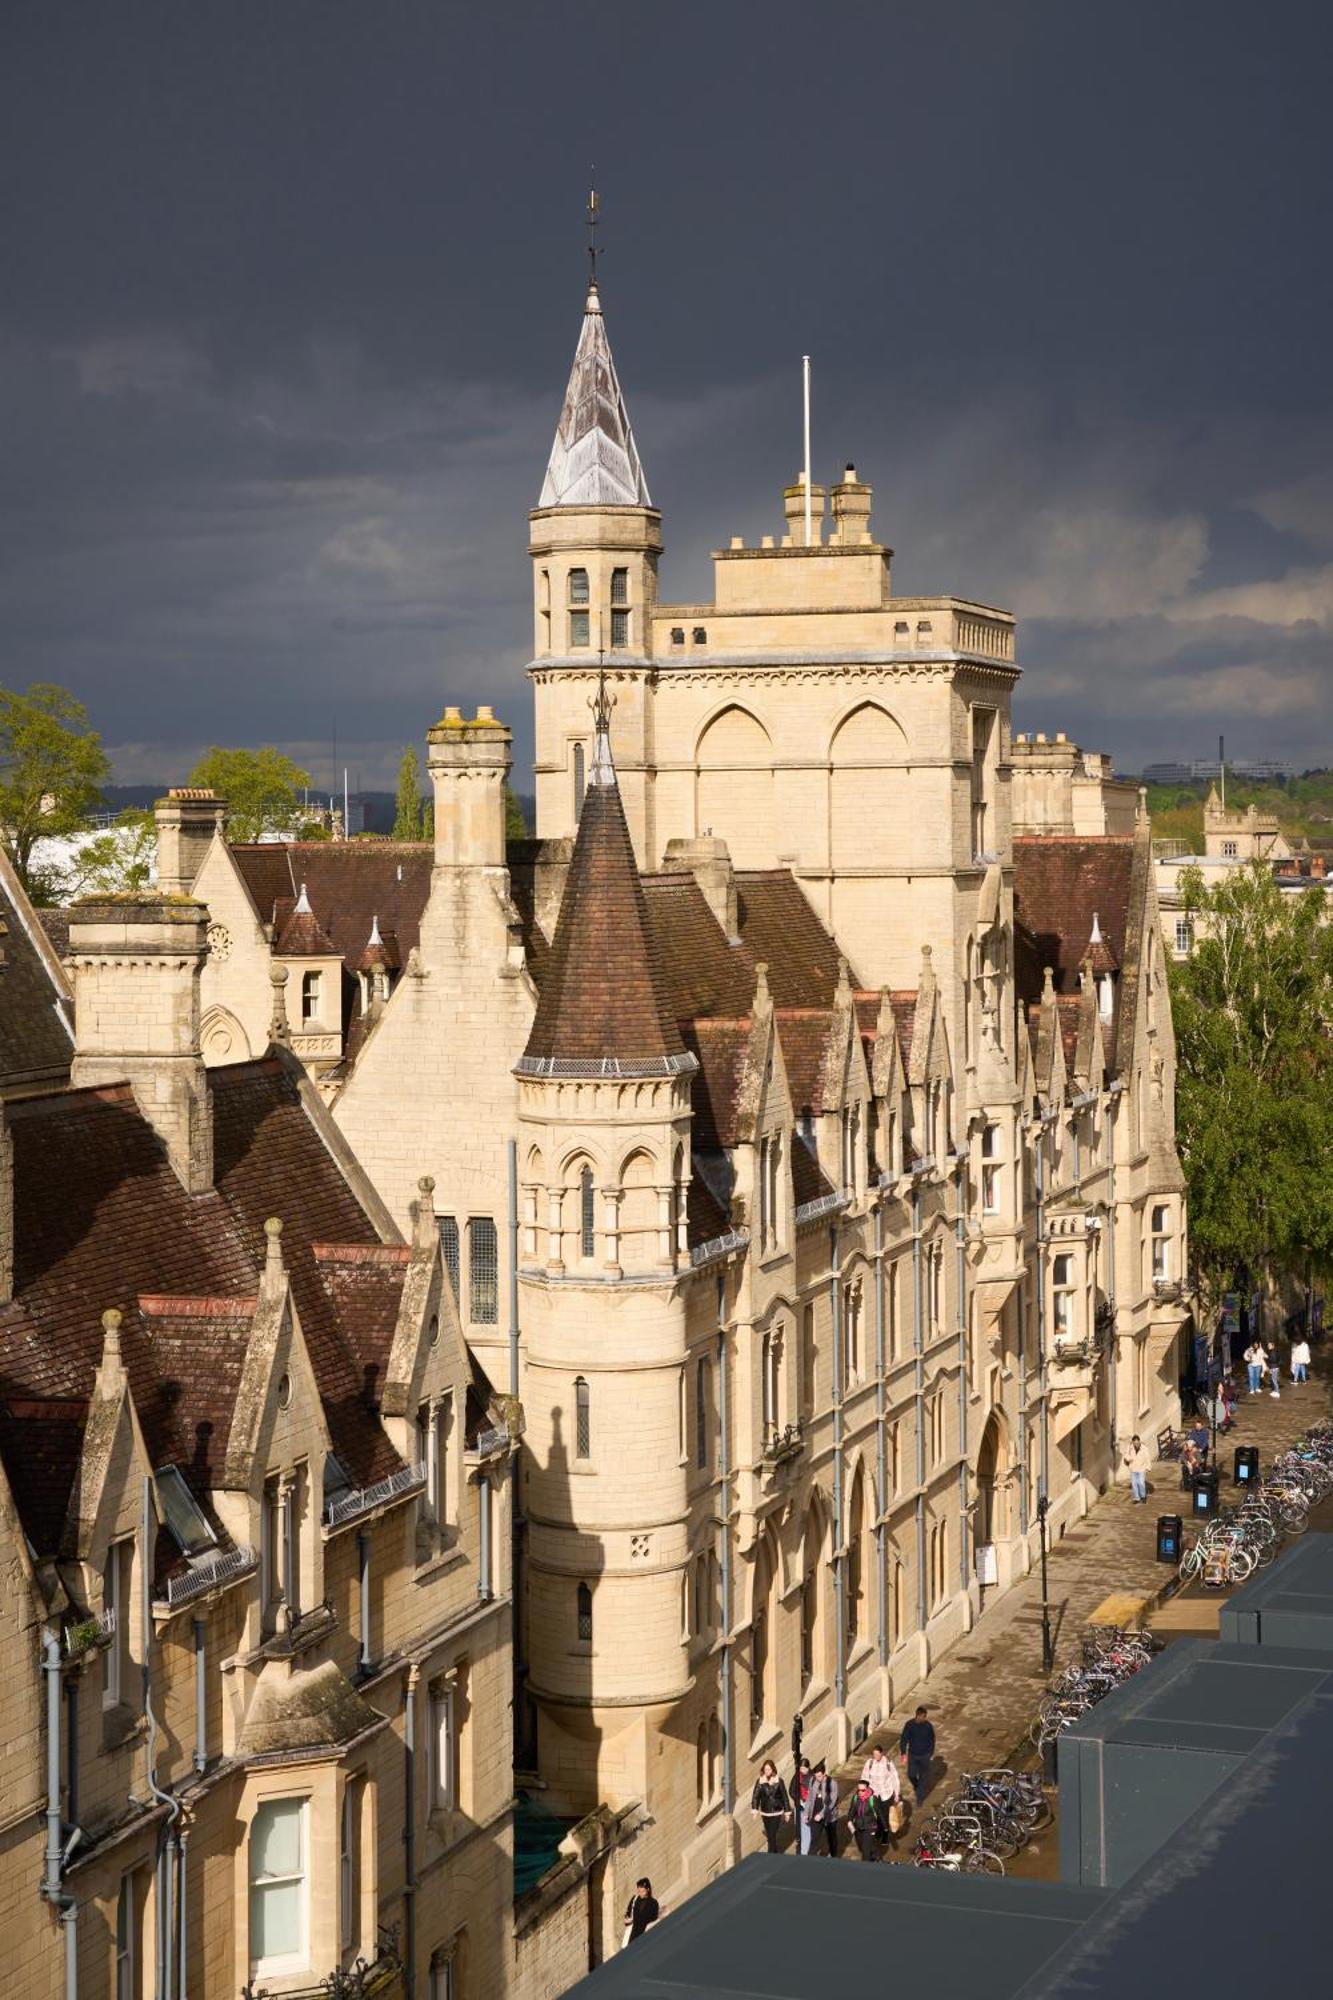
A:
1047, 1649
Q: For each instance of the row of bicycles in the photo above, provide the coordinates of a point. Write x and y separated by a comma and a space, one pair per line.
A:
984, 1823
1108, 1657
1245, 1538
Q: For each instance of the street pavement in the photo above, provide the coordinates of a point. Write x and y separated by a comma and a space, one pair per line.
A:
983, 1695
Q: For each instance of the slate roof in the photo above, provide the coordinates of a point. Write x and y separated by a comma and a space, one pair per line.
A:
1060, 884
101, 1220
707, 974
719, 1047
348, 884
605, 995
35, 1037
594, 461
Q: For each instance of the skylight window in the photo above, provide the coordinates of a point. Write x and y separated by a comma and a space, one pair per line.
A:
185, 1519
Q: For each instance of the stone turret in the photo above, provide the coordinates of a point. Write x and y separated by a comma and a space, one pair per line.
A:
188, 821
469, 762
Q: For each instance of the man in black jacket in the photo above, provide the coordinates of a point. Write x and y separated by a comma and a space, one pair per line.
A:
917, 1747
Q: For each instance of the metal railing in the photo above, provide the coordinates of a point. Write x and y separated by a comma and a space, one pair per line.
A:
681, 1065
718, 1246
210, 1574
824, 1204
364, 1499
90, 1632
494, 1438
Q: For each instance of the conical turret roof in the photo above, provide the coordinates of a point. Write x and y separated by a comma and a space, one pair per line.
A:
593, 461
605, 1005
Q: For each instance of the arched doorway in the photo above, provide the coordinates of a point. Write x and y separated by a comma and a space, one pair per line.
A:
993, 1483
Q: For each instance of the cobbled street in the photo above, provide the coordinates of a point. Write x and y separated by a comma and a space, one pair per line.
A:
983, 1695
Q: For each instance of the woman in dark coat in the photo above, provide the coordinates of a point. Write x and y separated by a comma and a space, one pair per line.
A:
770, 1802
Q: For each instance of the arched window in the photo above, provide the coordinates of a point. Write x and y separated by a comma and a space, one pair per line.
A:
585, 1614
582, 1419
579, 779
769, 1372
808, 1360
701, 1387
701, 1618
587, 1213
702, 1788
854, 1563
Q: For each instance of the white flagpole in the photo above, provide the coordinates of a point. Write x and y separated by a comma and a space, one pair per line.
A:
805, 384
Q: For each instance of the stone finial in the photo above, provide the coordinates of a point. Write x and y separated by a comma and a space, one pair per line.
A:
763, 999
843, 993
302, 908
423, 1212
279, 1028
1048, 984
1143, 802
273, 1264
1085, 976
927, 981
414, 968
111, 1371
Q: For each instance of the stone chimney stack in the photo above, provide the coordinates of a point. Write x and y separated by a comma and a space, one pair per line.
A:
468, 764
793, 506
135, 963
187, 820
707, 858
851, 510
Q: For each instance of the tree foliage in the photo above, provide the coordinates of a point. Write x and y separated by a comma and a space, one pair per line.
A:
1253, 1009
516, 826
260, 787
52, 767
117, 862
407, 809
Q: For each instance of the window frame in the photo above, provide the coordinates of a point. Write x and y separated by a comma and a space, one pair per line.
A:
441, 1722
483, 1287
587, 1213
349, 1871
583, 1612
582, 1418
299, 1960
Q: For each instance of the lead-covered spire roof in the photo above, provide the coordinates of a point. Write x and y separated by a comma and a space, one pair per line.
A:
594, 461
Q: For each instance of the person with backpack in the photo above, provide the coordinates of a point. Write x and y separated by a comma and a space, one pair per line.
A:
863, 1819
881, 1774
821, 1810
770, 1802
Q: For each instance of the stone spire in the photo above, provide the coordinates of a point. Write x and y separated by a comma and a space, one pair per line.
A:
605, 1005
593, 461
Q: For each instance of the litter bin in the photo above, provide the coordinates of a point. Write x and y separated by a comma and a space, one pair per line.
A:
1246, 1468
1170, 1533
1203, 1494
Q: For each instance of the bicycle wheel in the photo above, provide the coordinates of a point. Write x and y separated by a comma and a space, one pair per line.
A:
1240, 1565
980, 1861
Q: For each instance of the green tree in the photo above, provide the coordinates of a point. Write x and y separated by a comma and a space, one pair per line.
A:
1253, 1010
52, 767
516, 826
260, 786
407, 811
118, 861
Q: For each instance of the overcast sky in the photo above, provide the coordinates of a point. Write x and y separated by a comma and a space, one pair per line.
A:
289, 292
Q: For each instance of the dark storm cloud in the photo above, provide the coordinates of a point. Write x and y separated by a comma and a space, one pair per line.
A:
288, 296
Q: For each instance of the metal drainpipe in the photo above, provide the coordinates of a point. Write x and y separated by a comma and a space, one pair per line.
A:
164, 1929
1114, 1353
513, 1267
200, 1758
72, 1752
410, 1832
1043, 1455
882, 1441
182, 1930
363, 1583
1022, 1407
51, 1668
69, 1919
839, 1603
922, 1595
960, 1234
724, 1511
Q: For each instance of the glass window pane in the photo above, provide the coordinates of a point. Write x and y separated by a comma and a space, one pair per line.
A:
578, 628
483, 1271
578, 586
449, 1245
275, 1839
275, 1920
620, 586
620, 628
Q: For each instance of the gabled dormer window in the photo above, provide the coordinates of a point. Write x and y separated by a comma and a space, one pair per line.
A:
185, 1520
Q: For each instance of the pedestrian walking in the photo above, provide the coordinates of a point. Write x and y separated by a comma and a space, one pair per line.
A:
863, 1819
1274, 1367
799, 1797
1229, 1401
1300, 1358
917, 1748
770, 1802
821, 1807
643, 1909
881, 1774
1254, 1362
1138, 1459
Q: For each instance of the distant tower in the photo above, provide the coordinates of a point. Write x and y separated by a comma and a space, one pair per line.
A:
595, 540
604, 1152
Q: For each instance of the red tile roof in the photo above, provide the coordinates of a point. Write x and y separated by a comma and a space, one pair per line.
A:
1060, 884
720, 1049
35, 1040
348, 884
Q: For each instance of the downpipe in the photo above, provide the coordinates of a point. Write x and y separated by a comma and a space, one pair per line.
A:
881, 1443
922, 1588
53, 1889
839, 1596
164, 1924
724, 1511
960, 1240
